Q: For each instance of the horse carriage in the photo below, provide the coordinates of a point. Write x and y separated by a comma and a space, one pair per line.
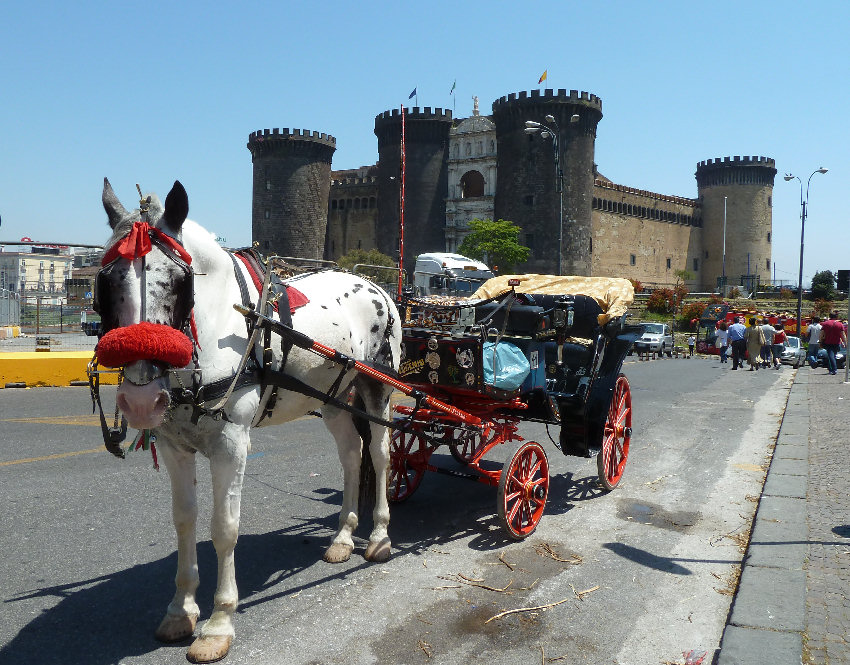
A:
196, 375
522, 348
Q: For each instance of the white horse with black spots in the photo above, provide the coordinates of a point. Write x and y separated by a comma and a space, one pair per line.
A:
163, 276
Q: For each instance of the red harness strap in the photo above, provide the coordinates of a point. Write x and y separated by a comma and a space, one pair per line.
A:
296, 298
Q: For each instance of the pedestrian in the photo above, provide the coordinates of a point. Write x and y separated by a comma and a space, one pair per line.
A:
691, 343
737, 342
832, 335
813, 334
722, 342
755, 340
767, 347
779, 338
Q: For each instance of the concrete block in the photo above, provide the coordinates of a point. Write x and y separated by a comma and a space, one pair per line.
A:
746, 646
782, 485
770, 598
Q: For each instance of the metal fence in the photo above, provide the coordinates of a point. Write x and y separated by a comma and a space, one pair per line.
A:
10, 308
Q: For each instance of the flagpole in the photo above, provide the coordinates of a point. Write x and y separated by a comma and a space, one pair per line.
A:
401, 211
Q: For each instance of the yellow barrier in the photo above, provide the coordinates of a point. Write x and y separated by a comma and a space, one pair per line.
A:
54, 368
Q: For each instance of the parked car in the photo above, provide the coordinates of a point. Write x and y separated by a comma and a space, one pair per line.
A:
794, 353
656, 338
840, 357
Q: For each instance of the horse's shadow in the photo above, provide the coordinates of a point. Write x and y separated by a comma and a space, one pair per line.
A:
110, 617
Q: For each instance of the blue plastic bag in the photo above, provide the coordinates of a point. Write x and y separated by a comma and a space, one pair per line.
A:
505, 365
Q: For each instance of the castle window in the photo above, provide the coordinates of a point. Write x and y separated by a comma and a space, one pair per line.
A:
266, 244
357, 204
373, 202
706, 253
767, 263
669, 263
468, 149
471, 185
768, 236
528, 199
333, 204
267, 213
492, 146
632, 259
268, 185
455, 150
591, 246
479, 147
769, 201
696, 265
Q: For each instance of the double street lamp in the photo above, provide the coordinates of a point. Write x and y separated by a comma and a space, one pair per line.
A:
804, 202
554, 133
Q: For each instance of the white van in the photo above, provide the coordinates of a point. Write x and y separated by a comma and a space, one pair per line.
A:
448, 274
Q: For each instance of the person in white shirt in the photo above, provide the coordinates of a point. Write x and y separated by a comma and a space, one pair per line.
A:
813, 334
722, 341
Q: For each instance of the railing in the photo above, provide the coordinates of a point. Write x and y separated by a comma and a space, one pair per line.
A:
10, 308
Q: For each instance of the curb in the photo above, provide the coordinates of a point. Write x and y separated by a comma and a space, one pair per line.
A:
768, 614
54, 368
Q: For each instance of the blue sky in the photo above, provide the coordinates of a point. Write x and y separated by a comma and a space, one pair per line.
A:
154, 92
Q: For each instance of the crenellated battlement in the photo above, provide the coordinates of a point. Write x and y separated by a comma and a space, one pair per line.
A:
681, 200
342, 182
550, 96
723, 162
415, 113
286, 134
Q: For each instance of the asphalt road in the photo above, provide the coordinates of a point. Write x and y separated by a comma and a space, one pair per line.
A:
646, 571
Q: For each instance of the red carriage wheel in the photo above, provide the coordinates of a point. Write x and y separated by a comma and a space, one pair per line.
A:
462, 444
408, 456
523, 488
611, 460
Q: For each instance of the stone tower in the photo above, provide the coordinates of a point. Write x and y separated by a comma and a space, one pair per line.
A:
292, 178
527, 194
426, 181
745, 184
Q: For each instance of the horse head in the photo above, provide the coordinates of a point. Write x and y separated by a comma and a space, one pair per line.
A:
144, 295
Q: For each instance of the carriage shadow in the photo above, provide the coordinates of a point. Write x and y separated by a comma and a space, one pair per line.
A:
105, 619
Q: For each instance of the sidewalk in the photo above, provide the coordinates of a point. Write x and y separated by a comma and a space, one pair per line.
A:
793, 600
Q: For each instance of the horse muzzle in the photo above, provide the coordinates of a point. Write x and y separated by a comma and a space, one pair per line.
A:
143, 397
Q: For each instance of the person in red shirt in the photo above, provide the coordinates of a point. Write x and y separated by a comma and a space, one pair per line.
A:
832, 335
778, 345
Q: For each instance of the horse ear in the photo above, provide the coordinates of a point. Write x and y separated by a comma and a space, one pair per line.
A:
176, 207
114, 210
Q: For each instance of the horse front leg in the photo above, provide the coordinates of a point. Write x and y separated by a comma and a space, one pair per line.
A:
227, 466
182, 614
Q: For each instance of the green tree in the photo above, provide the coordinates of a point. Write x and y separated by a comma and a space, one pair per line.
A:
495, 243
823, 285
371, 257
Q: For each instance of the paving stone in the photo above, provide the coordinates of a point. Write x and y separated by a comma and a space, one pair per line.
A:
783, 485
770, 598
789, 467
748, 646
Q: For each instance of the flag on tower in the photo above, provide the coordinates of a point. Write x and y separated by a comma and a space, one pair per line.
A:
451, 92
412, 94
542, 76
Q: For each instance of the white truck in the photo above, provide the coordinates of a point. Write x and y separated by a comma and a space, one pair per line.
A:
443, 273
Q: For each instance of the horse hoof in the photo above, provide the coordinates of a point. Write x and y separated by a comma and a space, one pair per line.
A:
176, 628
378, 552
337, 553
209, 648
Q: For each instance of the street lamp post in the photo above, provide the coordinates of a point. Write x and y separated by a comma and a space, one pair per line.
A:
804, 202
546, 132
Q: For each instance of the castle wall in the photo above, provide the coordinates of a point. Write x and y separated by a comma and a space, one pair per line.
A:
527, 194
645, 236
352, 214
291, 182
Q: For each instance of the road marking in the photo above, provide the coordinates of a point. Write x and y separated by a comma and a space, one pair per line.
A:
54, 456
85, 421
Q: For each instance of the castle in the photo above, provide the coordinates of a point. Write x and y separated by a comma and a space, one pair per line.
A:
492, 167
